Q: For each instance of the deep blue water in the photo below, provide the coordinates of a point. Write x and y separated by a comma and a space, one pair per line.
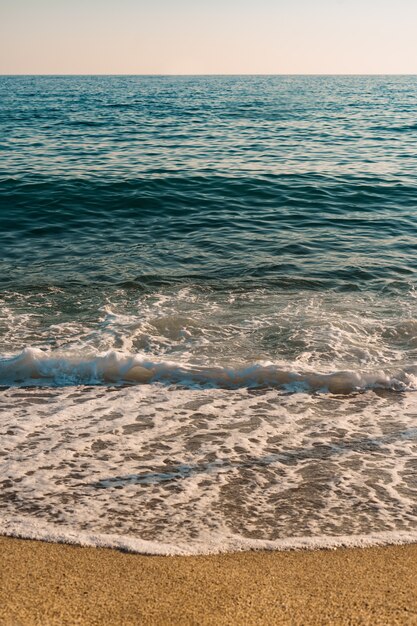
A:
285, 181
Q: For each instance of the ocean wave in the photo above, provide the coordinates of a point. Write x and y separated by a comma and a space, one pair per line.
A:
58, 229
33, 366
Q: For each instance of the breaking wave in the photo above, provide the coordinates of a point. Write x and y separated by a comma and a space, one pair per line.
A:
33, 366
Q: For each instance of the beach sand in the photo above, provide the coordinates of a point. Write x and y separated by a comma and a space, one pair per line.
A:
43, 583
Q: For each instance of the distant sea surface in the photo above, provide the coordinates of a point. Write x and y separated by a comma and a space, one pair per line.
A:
208, 311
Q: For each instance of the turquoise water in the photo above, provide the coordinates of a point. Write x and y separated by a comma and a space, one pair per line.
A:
208, 303
298, 182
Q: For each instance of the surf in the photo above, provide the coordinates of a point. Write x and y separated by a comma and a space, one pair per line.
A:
36, 367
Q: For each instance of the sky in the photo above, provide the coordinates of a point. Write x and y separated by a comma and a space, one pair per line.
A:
208, 37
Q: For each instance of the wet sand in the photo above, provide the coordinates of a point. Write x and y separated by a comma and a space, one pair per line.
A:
48, 584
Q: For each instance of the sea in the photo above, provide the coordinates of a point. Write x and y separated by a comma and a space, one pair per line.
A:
208, 311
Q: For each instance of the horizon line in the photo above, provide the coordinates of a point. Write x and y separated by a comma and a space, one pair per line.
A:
210, 74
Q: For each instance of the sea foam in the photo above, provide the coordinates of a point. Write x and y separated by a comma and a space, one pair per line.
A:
174, 469
216, 544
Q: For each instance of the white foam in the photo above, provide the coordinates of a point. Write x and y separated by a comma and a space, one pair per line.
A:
201, 421
162, 469
212, 544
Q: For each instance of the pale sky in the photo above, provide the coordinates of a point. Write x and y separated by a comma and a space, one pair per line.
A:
208, 37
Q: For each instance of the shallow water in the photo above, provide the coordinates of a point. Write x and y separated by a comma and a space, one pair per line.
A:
208, 324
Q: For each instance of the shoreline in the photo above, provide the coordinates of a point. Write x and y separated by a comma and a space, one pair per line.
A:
49, 583
31, 529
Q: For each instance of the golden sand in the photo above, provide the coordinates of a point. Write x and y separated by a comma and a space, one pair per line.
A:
43, 583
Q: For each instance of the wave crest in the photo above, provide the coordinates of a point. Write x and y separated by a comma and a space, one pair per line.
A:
33, 366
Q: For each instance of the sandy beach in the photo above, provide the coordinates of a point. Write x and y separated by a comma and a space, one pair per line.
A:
43, 583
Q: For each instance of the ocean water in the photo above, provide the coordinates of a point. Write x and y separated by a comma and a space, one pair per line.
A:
208, 311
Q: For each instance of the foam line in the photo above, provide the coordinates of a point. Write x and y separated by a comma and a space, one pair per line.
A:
209, 544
